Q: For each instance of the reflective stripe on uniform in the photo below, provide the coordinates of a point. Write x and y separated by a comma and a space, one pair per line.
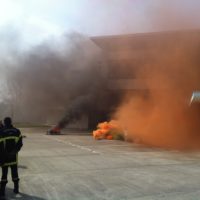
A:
16, 140
12, 137
1, 139
15, 179
4, 180
11, 163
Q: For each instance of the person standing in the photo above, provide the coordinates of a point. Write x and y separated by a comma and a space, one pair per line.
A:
1, 145
12, 140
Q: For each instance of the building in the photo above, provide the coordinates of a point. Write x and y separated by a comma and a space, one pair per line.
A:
131, 58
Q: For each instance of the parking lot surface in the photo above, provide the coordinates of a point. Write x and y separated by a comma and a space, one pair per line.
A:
74, 166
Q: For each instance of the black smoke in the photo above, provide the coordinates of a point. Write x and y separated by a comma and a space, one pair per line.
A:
59, 80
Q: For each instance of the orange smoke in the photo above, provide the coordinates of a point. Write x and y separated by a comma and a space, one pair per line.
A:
108, 130
158, 122
162, 116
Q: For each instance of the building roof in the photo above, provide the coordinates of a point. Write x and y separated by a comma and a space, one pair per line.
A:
142, 40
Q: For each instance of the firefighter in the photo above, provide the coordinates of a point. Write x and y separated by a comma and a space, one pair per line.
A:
1, 124
12, 139
1, 145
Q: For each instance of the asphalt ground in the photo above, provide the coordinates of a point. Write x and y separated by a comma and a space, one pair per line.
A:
74, 166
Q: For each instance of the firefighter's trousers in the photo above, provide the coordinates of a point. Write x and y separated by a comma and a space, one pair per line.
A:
14, 173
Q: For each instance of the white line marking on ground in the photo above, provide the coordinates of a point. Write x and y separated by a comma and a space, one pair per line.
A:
73, 145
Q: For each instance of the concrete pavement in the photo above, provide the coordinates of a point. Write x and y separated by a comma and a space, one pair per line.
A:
76, 167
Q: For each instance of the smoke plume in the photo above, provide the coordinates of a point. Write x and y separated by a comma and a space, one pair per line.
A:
58, 79
168, 64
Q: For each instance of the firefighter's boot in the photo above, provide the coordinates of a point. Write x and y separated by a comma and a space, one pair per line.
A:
16, 187
2, 188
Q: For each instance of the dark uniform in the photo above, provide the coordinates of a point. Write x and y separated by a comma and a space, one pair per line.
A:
1, 148
11, 139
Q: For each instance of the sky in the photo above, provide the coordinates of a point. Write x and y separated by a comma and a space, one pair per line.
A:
35, 20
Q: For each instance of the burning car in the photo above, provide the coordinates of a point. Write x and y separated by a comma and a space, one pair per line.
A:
56, 130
